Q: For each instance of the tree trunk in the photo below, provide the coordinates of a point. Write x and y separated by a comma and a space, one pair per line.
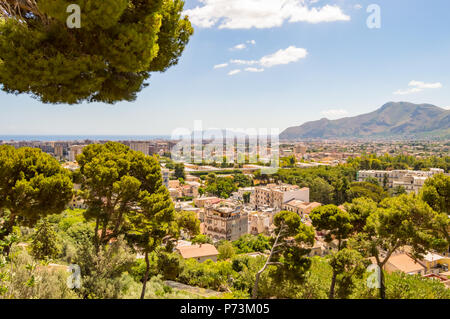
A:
382, 285
258, 275
96, 239
9, 225
147, 271
333, 284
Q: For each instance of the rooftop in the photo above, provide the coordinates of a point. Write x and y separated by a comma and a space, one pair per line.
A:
195, 251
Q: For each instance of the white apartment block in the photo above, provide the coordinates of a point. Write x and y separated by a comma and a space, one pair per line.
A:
412, 181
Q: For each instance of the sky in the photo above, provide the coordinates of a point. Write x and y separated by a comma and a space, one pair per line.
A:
271, 64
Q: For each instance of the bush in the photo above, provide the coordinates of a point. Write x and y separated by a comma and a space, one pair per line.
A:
101, 272
23, 278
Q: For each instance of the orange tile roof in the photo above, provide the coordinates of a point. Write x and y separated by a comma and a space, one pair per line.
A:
405, 263
196, 251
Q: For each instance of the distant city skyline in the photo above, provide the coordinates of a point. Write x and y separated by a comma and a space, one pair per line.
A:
300, 62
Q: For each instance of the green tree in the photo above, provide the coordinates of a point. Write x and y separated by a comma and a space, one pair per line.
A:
201, 239
32, 185
398, 190
366, 189
101, 270
372, 180
179, 171
226, 250
118, 45
114, 179
336, 222
249, 243
153, 223
246, 197
189, 222
359, 210
288, 251
321, 191
436, 192
400, 221
348, 265
45, 242
338, 225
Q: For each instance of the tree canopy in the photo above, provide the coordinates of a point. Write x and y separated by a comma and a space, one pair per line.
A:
32, 185
118, 45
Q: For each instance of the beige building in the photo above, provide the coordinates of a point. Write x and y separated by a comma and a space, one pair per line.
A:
206, 201
275, 196
405, 264
225, 221
300, 207
200, 253
260, 222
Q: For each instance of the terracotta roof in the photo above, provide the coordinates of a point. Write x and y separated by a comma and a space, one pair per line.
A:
196, 251
405, 263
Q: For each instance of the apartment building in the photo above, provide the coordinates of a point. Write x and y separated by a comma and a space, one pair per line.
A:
74, 151
225, 222
260, 222
412, 181
300, 207
143, 147
275, 196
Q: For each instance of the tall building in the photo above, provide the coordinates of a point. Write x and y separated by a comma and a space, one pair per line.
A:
74, 151
143, 147
59, 151
225, 222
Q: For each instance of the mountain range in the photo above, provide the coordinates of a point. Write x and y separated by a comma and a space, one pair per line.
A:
392, 120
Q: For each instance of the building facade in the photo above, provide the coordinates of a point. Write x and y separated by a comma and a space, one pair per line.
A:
225, 222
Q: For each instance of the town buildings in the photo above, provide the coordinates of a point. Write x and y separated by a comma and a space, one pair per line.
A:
411, 180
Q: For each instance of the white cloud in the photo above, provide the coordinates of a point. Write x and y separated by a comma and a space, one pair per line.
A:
244, 62
418, 86
407, 91
241, 46
286, 56
261, 14
423, 85
234, 72
291, 54
254, 70
333, 114
220, 66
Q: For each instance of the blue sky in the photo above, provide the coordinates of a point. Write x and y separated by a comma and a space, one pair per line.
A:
335, 66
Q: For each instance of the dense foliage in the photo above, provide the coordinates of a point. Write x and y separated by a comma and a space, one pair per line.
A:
107, 59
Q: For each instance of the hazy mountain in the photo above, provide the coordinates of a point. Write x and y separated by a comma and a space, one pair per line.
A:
394, 119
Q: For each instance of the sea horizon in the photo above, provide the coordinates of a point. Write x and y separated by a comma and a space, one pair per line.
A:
69, 137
